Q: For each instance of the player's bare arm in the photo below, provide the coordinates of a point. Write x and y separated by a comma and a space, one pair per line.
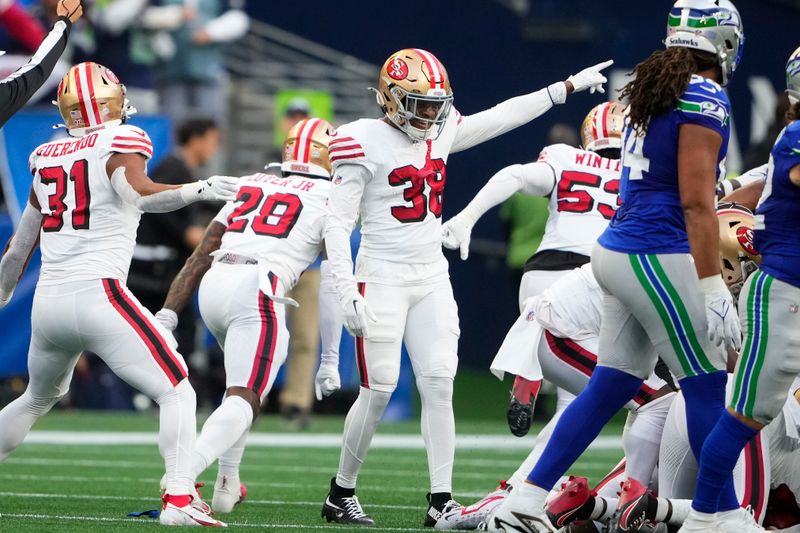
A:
747, 196
188, 279
129, 178
698, 148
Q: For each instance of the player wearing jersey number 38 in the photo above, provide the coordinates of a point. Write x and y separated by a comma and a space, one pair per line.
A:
250, 257
658, 261
88, 193
391, 172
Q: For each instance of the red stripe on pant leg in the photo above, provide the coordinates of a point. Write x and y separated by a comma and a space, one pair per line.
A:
754, 491
644, 395
361, 361
265, 350
617, 470
161, 354
566, 353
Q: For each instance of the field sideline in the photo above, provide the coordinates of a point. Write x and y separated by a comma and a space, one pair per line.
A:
92, 487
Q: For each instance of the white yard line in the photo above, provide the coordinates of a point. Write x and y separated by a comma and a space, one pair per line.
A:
236, 524
305, 440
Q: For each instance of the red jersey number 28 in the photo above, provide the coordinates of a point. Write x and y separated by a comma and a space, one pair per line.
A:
79, 178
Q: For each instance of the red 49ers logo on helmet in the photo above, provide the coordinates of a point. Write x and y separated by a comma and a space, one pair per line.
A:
111, 75
398, 70
745, 236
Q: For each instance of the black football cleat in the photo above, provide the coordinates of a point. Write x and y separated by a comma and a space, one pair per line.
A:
344, 510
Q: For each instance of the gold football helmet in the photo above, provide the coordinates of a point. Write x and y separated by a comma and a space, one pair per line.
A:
738, 258
305, 150
414, 93
602, 127
90, 95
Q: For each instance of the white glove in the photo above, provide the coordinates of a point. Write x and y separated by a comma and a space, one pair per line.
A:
357, 316
326, 382
456, 234
223, 188
590, 78
723, 321
168, 318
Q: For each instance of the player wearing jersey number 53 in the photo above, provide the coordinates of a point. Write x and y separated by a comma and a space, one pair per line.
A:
658, 261
260, 244
392, 173
768, 307
87, 196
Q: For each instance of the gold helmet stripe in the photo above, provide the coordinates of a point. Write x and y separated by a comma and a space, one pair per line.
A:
437, 80
83, 81
302, 148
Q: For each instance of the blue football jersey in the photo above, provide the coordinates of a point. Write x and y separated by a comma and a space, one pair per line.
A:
650, 217
777, 237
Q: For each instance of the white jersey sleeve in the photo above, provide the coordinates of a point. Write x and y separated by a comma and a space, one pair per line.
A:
505, 116
583, 200
556, 310
127, 139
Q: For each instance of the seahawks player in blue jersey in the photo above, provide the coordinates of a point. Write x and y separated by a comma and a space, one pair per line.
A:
658, 261
768, 308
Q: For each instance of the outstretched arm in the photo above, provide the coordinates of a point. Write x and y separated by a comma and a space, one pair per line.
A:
513, 113
534, 179
188, 279
19, 249
129, 178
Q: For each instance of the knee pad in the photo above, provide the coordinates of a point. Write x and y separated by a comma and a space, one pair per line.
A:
435, 389
383, 376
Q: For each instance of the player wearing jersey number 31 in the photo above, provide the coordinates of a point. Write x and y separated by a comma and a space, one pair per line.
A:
391, 172
88, 193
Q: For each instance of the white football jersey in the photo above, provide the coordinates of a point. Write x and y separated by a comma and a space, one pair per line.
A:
556, 310
88, 231
279, 221
584, 198
401, 206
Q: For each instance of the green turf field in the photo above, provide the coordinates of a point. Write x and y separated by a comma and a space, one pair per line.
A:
58, 487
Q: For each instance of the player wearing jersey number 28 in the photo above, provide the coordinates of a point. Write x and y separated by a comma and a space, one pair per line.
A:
768, 308
251, 255
391, 173
658, 261
87, 196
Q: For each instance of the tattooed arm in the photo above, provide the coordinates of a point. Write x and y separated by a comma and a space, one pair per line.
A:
188, 279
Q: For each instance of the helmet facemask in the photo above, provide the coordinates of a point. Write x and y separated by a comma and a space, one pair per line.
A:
421, 117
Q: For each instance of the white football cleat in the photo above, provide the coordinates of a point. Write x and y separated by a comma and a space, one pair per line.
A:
228, 492
738, 521
510, 518
471, 516
172, 515
699, 522
197, 498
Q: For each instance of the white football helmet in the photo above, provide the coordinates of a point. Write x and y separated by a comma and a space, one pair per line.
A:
709, 25
793, 77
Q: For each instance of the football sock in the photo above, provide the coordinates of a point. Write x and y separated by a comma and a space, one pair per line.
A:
230, 460
226, 426
542, 438
642, 438
359, 428
438, 430
439, 499
603, 509
720, 453
606, 393
17, 418
341, 492
673, 512
527, 497
705, 403
176, 436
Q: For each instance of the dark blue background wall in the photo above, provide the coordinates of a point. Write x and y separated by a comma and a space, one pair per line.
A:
483, 48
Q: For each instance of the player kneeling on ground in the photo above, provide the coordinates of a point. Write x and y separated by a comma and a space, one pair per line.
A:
251, 255
87, 196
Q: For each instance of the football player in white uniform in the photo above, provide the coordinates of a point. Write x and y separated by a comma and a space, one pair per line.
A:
87, 196
392, 173
251, 255
582, 186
